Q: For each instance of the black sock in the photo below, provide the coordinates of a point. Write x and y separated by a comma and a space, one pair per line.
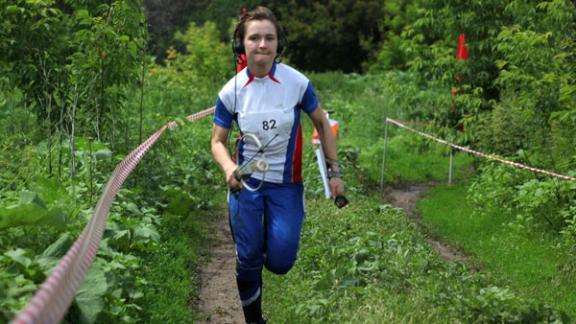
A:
253, 312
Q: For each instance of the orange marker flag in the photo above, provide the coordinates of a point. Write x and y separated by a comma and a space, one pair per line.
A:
462, 53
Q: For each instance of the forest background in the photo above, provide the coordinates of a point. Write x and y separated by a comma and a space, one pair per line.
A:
83, 82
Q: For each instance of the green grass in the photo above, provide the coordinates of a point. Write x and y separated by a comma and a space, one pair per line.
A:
355, 265
406, 166
368, 263
527, 263
171, 271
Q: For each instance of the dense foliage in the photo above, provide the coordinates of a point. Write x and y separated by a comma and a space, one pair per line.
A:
322, 35
73, 62
515, 95
518, 90
78, 90
330, 35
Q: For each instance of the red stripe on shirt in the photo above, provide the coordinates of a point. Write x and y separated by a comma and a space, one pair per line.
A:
273, 78
250, 79
297, 157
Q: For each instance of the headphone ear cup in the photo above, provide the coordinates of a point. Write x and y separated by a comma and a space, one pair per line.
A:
238, 47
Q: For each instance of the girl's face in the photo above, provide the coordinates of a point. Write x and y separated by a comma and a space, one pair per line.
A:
260, 42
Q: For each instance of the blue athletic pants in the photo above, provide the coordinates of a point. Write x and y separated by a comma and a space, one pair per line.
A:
266, 227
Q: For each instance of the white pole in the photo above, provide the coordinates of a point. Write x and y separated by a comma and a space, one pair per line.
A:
451, 172
323, 170
384, 155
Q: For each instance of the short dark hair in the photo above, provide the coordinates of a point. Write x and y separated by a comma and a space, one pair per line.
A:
260, 13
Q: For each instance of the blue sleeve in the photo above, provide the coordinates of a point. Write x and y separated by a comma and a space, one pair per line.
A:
309, 101
222, 117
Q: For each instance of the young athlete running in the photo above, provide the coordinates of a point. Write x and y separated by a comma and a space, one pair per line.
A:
266, 100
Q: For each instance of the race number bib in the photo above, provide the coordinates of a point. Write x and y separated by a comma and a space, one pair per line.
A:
268, 125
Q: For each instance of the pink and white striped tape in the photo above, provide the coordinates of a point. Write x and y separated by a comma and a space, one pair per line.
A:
55, 295
484, 155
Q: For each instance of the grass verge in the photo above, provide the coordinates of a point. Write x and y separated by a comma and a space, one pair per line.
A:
171, 271
527, 263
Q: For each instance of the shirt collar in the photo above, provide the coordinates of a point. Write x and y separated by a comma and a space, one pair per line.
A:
270, 75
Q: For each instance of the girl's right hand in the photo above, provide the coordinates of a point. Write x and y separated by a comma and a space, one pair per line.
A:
233, 183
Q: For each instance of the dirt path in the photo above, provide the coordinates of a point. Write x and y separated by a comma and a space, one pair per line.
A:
219, 301
405, 197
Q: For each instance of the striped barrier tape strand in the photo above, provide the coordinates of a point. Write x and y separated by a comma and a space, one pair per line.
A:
55, 295
484, 155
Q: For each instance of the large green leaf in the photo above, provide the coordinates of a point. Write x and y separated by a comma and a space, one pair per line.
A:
31, 198
49, 190
21, 215
103, 154
147, 233
59, 247
90, 295
30, 211
19, 256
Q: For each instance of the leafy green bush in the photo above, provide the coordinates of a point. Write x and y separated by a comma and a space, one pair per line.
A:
206, 56
562, 138
521, 58
508, 129
528, 204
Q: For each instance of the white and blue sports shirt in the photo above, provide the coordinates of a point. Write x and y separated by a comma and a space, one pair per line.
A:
269, 107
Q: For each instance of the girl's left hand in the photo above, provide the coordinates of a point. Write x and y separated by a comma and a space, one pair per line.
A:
336, 186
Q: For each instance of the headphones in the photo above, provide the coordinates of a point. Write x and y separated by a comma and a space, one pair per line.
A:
238, 44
